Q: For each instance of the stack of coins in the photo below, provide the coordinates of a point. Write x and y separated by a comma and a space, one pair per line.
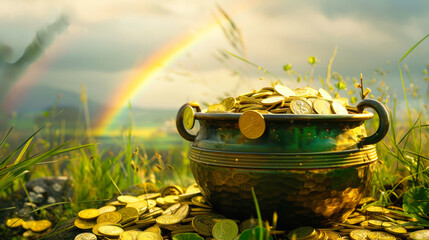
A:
283, 100
34, 228
178, 211
183, 213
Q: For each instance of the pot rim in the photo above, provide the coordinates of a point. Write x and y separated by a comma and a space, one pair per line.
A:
289, 117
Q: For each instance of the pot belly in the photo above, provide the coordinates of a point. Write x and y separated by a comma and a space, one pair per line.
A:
304, 189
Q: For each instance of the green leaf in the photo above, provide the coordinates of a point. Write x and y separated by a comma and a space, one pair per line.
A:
353, 99
312, 60
287, 67
416, 201
187, 236
341, 85
254, 234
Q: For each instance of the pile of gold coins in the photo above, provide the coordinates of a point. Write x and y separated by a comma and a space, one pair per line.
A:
34, 228
283, 100
176, 211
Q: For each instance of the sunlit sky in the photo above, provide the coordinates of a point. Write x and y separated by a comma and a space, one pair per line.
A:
107, 42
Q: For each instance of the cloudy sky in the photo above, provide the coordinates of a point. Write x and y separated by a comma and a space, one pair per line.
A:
107, 42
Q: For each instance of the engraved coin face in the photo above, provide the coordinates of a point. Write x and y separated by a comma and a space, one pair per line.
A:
420, 235
216, 108
110, 217
203, 224
128, 214
300, 107
381, 236
85, 236
188, 117
168, 219
322, 106
252, 124
359, 234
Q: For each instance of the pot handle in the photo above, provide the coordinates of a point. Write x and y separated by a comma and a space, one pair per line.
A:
180, 125
384, 121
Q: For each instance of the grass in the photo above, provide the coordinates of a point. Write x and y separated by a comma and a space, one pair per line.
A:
99, 172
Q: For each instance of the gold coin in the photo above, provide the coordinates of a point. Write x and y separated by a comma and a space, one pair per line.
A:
141, 206
396, 230
200, 201
228, 103
193, 189
171, 199
203, 224
273, 100
110, 217
356, 220
322, 106
84, 223
110, 230
337, 108
168, 219
375, 223
151, 203
147, 196
188, 117
160, 201
14, 222
90, 213
374, 209
420, 235
41, 225
324, 94
381, 236
28, 224
130, 235
171, 190
262, 94
300, 107
359, 234
283, 90
128, 199
216, 108
303, 233
115, 203
85, 236
305, 92
332, 235
128, 214
108, 208
96, 226
342, 100
252, 124
183, 211
172, 209
149, 236
154, 229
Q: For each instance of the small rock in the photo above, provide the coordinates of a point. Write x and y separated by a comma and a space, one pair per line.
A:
57, 187
39, 189
51, 200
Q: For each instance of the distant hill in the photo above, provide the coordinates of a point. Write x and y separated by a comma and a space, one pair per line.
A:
41, 98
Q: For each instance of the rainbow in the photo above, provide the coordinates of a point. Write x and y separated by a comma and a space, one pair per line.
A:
150, 68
